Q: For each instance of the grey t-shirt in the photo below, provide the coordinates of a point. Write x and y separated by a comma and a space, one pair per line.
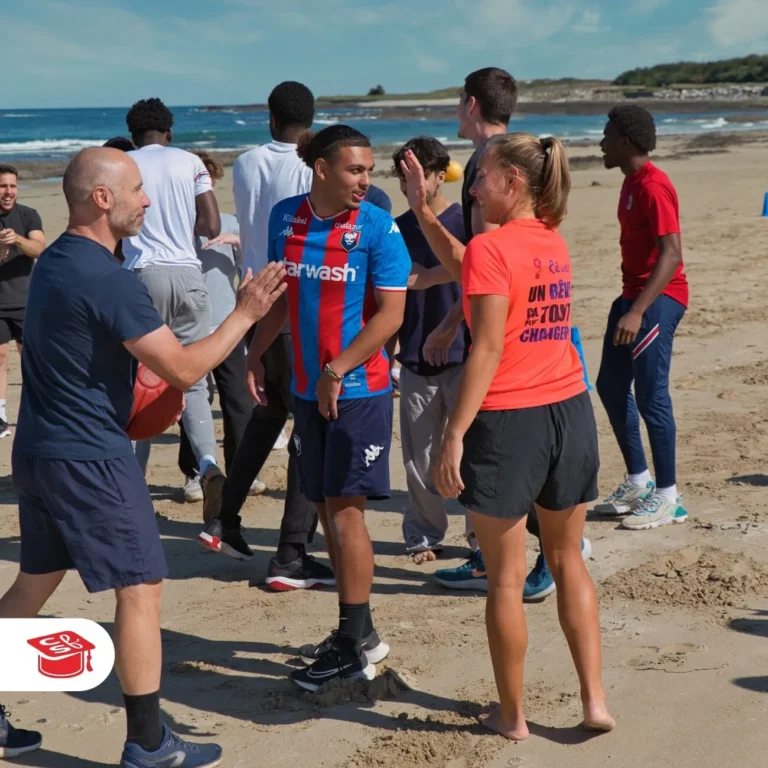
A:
221, 269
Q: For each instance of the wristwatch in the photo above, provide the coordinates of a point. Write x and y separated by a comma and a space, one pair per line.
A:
328, 371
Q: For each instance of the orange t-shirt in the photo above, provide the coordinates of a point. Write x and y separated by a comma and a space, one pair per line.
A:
529, 263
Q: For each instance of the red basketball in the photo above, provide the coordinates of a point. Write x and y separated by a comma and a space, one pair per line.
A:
156, 405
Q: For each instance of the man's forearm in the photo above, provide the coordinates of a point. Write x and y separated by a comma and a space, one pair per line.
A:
30, 248
454, 317
269, 327
664, 270
376, 333
196, 360
444, 245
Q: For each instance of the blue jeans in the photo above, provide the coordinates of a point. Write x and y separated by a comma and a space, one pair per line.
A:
646, 362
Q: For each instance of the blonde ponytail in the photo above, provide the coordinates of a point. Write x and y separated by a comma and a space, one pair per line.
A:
552, 201
544, 165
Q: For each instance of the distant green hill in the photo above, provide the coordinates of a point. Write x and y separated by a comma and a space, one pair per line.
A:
747, 69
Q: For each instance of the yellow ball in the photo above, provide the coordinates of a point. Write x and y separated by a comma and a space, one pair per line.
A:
455, 172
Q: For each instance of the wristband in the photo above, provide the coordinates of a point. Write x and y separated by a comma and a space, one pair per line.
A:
328, 371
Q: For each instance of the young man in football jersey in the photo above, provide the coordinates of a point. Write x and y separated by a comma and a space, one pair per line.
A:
347, 272
642, 324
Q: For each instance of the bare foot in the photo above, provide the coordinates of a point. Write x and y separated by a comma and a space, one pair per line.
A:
514, 729
423, 557
596, 717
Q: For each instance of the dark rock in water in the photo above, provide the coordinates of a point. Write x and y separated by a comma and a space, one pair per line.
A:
595, 184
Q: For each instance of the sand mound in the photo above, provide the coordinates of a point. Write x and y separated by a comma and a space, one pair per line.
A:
388, 684
696, 577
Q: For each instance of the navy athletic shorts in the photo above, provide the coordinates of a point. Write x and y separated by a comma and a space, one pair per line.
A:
95, 516
348, 456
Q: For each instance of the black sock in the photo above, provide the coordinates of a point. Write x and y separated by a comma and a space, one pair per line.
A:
287, 553
351, 624
145, 727
368, 624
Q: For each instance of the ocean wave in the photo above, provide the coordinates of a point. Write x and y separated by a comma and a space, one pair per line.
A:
325, 122
240, 122
48, 146
17, 114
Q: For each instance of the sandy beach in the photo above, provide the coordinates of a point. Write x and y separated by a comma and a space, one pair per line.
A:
684, 609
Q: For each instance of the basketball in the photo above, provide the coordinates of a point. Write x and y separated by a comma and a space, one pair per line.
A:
454, 172
156, 405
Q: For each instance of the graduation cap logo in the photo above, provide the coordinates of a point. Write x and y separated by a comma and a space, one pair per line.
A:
63, 654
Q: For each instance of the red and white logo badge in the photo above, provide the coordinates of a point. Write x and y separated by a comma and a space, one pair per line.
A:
64, 654
350, 240
54, 655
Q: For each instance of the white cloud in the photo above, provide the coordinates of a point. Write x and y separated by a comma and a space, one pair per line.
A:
590, 22
639, 7
736, 22
430, 64
484, 24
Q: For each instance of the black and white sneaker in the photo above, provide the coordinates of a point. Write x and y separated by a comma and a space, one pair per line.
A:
335, 663
14, 741
303, 573
374, 648
228, 541
4, 431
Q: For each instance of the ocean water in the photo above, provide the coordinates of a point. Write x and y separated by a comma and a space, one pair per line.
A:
49, 134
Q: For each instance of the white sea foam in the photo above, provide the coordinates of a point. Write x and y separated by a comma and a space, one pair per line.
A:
48, 146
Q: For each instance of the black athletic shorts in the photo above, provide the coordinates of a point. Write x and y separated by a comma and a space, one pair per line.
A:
546, 455
11, 325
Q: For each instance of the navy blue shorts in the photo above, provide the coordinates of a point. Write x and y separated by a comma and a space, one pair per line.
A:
348, 456
95, 516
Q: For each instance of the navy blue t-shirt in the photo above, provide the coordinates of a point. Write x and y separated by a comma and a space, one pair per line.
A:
425, 310
78, 378
378, 197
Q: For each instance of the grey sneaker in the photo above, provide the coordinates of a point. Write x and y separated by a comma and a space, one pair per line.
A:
654, 511
193, 491
624, 499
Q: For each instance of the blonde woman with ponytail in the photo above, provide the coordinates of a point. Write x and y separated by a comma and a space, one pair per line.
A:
522, 434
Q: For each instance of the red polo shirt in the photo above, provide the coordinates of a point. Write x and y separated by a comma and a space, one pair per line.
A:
648, 209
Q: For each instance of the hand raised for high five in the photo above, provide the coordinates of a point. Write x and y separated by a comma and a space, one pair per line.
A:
416, 183
256, 295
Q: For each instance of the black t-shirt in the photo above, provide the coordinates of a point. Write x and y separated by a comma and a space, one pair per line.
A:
470, 171
16, 269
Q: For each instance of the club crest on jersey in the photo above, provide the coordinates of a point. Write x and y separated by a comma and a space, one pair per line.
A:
350, 240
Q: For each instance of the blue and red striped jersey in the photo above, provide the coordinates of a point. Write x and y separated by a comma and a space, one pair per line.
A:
333, 267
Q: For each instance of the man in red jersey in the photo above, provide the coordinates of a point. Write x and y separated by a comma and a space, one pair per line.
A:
642, 323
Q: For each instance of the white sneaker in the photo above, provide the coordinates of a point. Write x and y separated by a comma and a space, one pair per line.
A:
624, 499
193, 491
654, 511
257, 488
282, 442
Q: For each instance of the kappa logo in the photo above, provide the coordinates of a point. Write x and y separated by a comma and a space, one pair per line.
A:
372, 452
350, 240
629, 203
287, 232
394, 229
297, 444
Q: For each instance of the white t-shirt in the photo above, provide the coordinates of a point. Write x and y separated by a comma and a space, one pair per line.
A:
173, 178
221, 267
261, 178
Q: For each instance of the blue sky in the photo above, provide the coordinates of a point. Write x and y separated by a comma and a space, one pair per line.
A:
70, 53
